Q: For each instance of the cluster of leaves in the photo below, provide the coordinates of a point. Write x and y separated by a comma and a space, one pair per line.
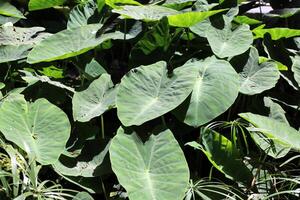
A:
113, 99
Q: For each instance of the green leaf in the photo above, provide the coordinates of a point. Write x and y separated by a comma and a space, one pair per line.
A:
178, 4
16, 42
145, 12
80, 14
227, 43
242, 19
215, 90
284, 13
70, 43
41, 129
100, 5
149, 91
157, 169
224, 156
52, 71
9, 10
83, 196
256, 78
82, 165
296, 69
5, 19
95, 100
189, 19
94, 69
280, 66
276, 33
277, 131
276, 111
117, 3
43, 4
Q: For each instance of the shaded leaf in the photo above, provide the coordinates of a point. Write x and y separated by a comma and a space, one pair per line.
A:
9, 10
43, 4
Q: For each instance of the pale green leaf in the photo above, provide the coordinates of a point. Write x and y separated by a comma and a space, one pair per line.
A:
94, 69
153, 170
296, 69
9, 10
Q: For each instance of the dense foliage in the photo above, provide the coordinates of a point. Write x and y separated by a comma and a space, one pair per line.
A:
149, 100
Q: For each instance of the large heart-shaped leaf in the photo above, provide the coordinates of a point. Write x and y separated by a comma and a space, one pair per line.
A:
40, 128
189, 19
296, 68
71, 42
148, 12
215, 90
9, 10
149, 91
43, 4
278, 131
95, 100
256, 78
276, 33
223, 155
154, 170
227, 43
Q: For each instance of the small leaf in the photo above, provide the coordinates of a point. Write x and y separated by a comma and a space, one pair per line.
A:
154, 170
95, 100
43, 4
94, 69
52, 71
256, 78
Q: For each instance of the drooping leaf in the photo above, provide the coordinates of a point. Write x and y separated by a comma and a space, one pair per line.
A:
243, 19
276, 33
9, 10
189, 19
280, 132
256, 78
224, 156
215, 90
16, 42
227, 43
83, 165
296, 68
80, 14
70, 43
94, 69
145, 12
40, 128
156, 169
95, 100
149, 91
43, 4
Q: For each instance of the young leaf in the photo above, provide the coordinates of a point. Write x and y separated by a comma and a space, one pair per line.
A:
95, 100
149, 91
256, 78
214, 91
154, 170
43, 4
40, 128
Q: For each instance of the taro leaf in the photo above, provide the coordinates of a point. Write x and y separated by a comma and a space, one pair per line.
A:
224, 156
32, 78
156, 169
178, 4
280, 66
274, 130
296, 68
52, 71
189, 19
201, 28
284, 13
95, 100
5, 19
16, 42
256, 78
215, 90
80, 14
9, 10
157, 37
100, 5
90, 163
70, 43
272, 148
276, 33
297, 42
226, 43
242, 19
43, 4
94, 69
40, 128
149, 91
148, 12
83, 196
117, 3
